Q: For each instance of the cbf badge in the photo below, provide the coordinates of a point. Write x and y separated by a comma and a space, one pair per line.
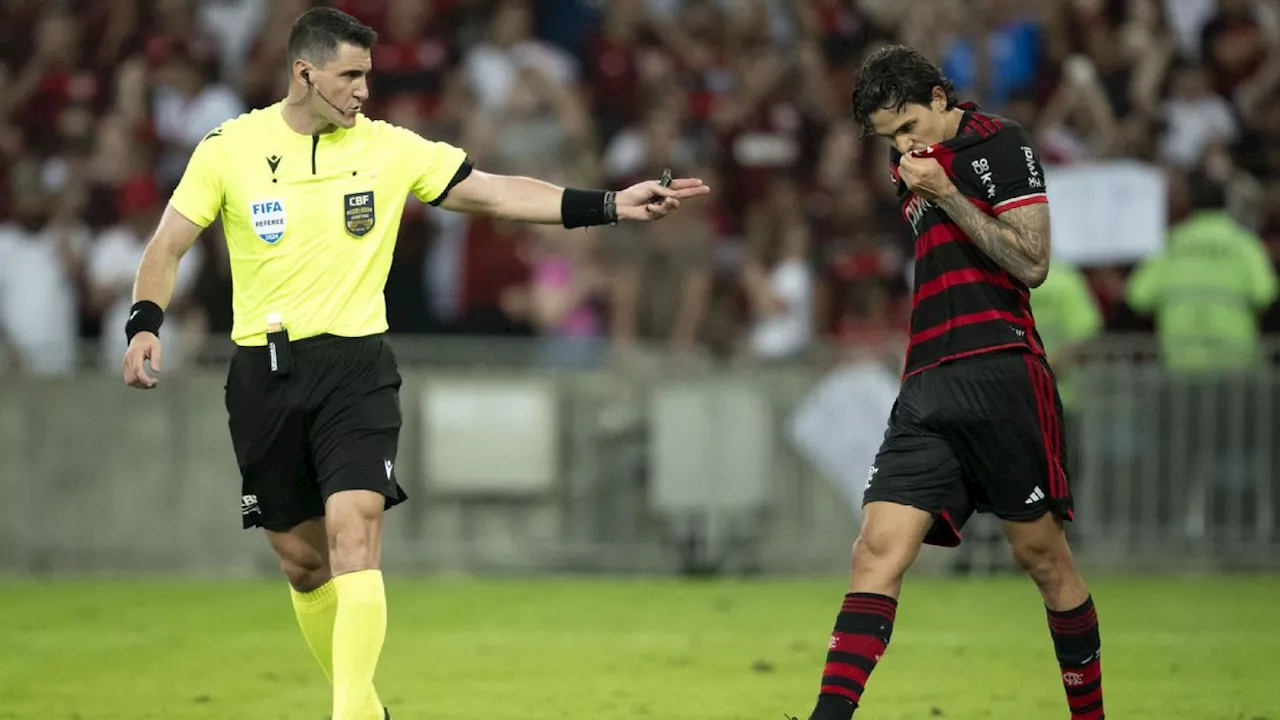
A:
268, 220
358, 210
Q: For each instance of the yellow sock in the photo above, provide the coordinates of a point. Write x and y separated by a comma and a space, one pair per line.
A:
316, 611
358, 632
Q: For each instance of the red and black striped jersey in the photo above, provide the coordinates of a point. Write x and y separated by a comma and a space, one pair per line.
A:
963, 302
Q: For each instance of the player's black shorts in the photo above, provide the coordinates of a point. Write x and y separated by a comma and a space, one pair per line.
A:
332, 424
980, 434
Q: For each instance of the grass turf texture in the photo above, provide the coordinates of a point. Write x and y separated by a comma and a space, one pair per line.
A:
583, 649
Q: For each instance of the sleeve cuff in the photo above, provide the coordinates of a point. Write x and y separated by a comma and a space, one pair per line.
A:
464, 170
1017, 202
194, 217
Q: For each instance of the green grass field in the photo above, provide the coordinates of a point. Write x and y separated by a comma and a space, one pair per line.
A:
589, 649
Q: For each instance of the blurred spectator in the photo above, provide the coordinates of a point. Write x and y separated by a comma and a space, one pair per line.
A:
566, 291
658, 141
494, 275
779, 283
1208, 289
1195, 116
413, 57
493, 67
112, 264
1001, 57
265, 77
50, 81
662, 285
186, 108
41, 255
233, 25
1067, 315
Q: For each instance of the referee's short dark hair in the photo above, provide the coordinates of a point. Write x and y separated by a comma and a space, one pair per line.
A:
894, 76
317, 34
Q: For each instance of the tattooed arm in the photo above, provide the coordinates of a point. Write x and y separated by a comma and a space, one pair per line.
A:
1018, 240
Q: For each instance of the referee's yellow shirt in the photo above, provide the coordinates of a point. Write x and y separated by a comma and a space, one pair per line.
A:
311, 220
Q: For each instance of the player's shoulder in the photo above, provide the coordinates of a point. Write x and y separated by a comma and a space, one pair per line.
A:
243, 126
995, 128
385, 132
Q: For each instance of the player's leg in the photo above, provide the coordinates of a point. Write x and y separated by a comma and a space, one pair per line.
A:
354, 522
354, 439
304, 558
915, 477
1041, 549
279, 493
1014, 448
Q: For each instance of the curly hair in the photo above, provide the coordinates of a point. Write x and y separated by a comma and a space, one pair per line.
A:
893, 77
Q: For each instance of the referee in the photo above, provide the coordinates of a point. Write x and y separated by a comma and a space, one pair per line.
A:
311, 194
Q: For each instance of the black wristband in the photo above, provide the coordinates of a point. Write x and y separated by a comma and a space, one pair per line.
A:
144, 316
586, 208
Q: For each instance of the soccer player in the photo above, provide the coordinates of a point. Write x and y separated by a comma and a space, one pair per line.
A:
978, 424
311, 194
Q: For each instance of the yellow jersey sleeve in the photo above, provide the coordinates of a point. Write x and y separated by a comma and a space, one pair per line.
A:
432, 166
199, 194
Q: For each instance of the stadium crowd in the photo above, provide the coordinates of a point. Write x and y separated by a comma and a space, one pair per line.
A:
102, 101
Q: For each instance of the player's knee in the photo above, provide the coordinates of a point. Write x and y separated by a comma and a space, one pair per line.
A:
1045, 560
882, 552
305, 571
353, 548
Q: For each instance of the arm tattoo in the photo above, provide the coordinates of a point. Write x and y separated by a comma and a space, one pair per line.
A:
1018, 241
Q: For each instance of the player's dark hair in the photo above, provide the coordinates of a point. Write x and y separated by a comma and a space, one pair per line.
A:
318, 33
893, 77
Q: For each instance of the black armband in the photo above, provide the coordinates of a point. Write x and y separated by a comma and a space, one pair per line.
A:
144, 316
585, 208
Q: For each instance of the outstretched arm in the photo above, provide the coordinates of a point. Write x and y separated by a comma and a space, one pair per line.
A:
530, 200
443, 176
1018, 240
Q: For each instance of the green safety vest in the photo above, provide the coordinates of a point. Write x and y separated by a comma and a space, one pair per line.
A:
1206, 289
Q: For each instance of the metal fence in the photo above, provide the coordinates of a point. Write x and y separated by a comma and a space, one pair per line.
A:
1177, 469
646, 468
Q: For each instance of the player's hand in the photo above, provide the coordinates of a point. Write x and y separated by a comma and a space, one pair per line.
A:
650, 201
144, 346
924, 175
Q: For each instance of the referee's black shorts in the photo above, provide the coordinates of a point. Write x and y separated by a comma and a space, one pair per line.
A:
332, 424
982, 434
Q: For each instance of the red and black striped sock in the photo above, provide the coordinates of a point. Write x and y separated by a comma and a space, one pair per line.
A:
1078, 645
862, 633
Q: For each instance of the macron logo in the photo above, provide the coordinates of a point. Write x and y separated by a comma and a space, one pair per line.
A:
389, 465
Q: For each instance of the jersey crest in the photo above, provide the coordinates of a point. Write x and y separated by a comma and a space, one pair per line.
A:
358, 212
268, 218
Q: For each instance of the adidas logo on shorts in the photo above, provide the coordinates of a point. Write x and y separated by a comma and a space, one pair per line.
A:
1036, 496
